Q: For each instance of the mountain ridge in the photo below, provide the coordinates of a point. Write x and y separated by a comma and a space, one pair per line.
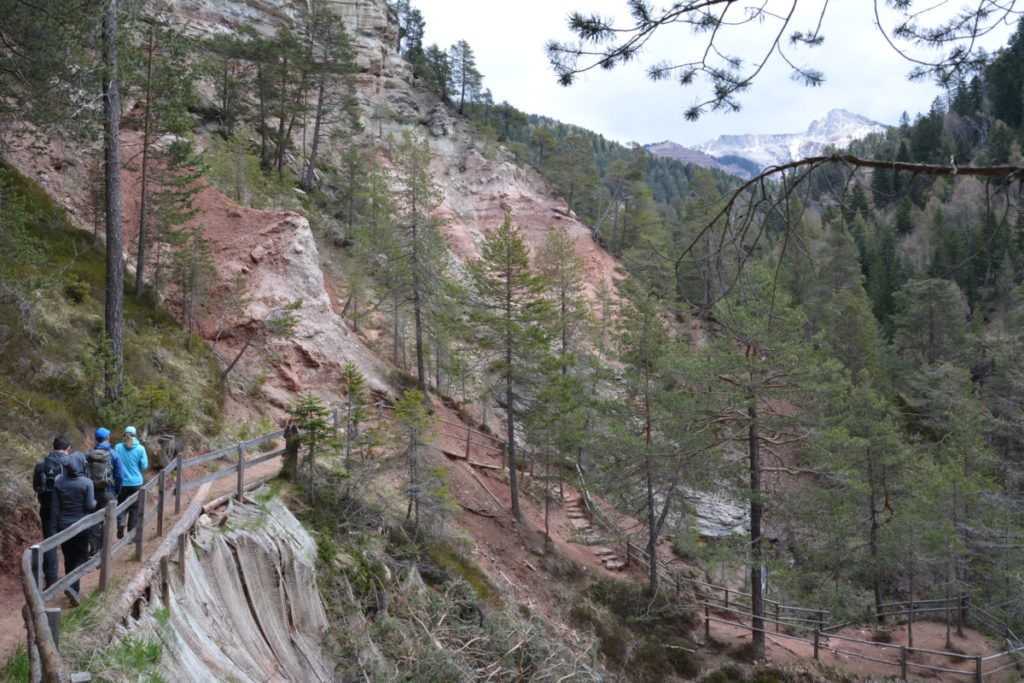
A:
838, 128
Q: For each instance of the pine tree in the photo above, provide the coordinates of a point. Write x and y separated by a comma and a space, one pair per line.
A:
411, 422
508, 312
759, 365
114, 306
167, 94
331, 63
466, 79
422, 270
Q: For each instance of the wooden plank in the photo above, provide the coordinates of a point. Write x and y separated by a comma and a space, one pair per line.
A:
483, 465
484, 487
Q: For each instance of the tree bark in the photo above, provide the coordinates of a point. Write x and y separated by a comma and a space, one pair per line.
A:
147, 131
756, 549
114, 307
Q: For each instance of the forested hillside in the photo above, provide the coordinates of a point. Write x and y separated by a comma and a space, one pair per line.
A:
335, 213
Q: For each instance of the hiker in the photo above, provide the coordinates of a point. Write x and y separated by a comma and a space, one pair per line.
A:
44, 480
132, 456
104, 469
73, 498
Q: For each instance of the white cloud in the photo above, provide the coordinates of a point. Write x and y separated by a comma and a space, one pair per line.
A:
863, 74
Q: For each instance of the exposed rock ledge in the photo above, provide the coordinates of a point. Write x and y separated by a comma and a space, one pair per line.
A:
250, 609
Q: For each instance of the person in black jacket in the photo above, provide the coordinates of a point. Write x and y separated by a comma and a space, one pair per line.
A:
44, 479
74, 498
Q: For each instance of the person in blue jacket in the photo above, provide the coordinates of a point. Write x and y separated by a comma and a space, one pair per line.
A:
133, 460
105, 491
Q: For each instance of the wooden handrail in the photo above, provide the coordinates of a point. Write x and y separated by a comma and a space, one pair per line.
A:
43, 641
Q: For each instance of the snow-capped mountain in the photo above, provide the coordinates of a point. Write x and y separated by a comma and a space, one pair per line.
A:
838, 129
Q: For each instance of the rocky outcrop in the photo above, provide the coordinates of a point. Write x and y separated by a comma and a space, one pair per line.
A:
249, 609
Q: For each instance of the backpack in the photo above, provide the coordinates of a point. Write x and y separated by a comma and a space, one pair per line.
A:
99, 468
52, 469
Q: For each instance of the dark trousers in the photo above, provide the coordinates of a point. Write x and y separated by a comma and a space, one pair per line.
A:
76, 552
131, 515
103, 496
49, 528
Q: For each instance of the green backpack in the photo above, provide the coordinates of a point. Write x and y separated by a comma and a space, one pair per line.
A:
99, 468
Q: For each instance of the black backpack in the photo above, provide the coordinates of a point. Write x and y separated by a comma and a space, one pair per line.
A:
99, 468
53, 467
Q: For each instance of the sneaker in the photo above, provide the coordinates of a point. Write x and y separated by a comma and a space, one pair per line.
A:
120, 532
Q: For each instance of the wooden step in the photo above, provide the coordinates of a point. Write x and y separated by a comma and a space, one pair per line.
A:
614, 565
604, 552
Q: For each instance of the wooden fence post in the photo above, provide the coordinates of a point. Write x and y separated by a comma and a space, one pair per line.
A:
241, 471
53, 618
707, 623
35, 673
962, 618
903, 662
179, 478
37, 566
469, 436
776, 617
726, 597
140, 523
165, 583
161, 480
181, 558
107, 550
977, 670
817, 642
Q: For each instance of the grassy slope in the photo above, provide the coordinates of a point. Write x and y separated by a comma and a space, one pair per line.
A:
51, 316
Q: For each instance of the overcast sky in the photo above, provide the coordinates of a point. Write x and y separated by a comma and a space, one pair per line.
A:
863, 74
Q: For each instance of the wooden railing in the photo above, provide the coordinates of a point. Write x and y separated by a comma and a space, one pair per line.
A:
901, 659
154, 498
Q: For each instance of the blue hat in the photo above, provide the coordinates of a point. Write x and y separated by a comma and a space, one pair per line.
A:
102, 434
129, 430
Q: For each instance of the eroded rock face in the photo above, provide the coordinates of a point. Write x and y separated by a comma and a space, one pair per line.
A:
249, 609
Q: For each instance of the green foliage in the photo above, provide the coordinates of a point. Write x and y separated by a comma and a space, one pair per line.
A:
234, 168
131, 656
649, 637
51, 366
421, 605
16, 668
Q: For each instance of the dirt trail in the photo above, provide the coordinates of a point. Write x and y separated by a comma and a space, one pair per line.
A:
12, 597
849, 657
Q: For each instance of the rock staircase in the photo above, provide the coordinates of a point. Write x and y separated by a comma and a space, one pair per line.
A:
591, 536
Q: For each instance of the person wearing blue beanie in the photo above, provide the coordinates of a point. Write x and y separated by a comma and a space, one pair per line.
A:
106, 486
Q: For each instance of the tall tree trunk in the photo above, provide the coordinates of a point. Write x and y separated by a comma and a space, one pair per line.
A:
114, 307
513, 474
652, 531
757, 576
417, 305
314, 148
147, 131
876, 579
